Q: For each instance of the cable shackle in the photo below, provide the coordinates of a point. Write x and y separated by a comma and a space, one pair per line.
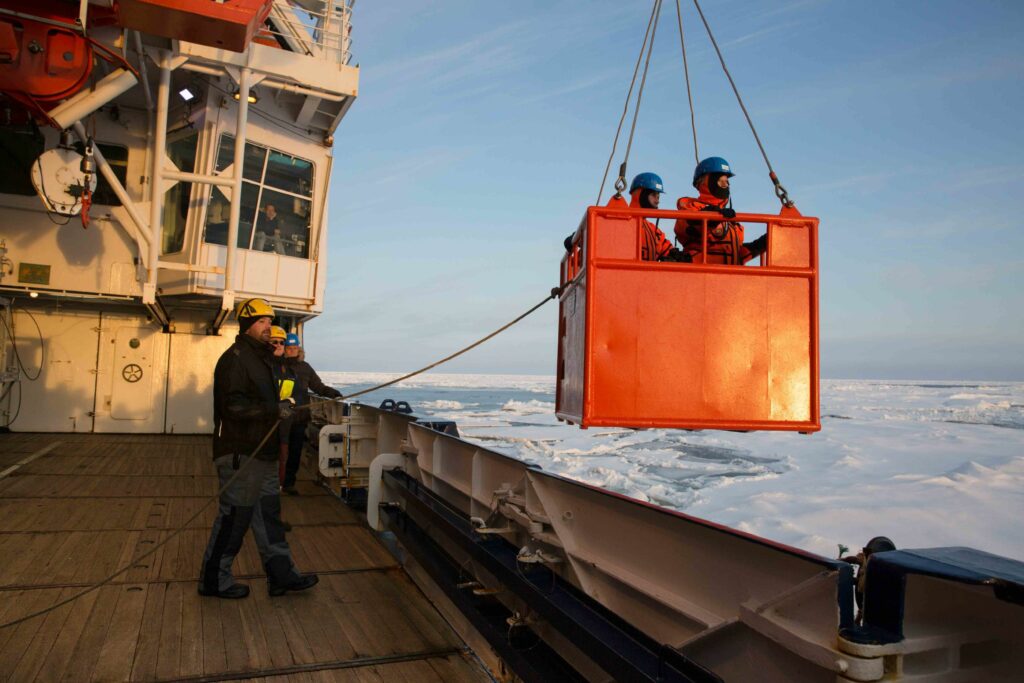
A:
620, 182
780, 191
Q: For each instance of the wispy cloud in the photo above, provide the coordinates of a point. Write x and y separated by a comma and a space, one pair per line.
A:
865, 182
575, 86
760, 33
483, 55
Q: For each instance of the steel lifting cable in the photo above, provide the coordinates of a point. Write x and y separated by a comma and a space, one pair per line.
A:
252, 456
554, 294
629, 96
689, 93
620, 182
780, 191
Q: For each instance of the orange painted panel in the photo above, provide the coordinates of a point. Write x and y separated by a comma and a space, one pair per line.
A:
58, 69
614, 237
790, 246
571, 363
793, 376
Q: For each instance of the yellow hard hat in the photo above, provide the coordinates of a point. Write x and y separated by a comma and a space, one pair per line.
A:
278, 333
255, 308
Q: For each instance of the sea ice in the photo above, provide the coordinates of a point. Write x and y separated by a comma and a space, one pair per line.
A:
926, 463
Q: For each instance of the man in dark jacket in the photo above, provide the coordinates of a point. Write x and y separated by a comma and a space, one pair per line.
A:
245, 408
306, 380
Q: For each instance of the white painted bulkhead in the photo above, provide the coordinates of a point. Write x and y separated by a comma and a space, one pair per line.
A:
111, 371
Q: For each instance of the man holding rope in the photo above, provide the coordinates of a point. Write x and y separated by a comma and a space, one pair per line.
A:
246, 408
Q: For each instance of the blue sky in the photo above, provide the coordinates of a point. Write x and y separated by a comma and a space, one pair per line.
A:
482, 130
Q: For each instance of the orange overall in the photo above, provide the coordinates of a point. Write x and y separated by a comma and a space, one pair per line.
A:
725, 238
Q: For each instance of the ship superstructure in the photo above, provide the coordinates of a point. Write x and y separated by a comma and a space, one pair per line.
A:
124, 249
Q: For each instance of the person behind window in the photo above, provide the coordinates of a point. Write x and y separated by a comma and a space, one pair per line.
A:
217, 220
725, 238
270, 226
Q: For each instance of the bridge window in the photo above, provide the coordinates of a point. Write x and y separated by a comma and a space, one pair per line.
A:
182, 152
276, 204
117, 159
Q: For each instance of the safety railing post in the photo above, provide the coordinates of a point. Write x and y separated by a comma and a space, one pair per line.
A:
156, 186
236, 188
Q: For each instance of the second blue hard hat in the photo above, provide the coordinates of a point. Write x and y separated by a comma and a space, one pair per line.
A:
292, 340
712, 165
647, 181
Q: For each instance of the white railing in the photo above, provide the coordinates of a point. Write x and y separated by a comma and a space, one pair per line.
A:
321, 28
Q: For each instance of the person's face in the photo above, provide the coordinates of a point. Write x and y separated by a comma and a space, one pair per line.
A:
278, 347
271, 211
291, 351
723, 182
654, 198
260, 330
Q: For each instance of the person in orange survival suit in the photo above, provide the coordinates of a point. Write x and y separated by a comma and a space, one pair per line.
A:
645, 192
725, 238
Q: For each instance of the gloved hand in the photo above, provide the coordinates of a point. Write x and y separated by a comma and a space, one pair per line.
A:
725, 211
758, 246
333, 393
677, 256
285, 409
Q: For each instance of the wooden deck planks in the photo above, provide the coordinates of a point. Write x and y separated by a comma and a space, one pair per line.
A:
64, 558
95, 502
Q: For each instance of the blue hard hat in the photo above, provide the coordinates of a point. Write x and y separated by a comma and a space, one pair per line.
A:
292, 340
712, 165
647, 181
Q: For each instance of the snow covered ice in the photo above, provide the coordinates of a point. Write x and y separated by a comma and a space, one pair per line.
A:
925, 463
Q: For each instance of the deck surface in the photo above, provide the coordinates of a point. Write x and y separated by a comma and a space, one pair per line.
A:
74, 508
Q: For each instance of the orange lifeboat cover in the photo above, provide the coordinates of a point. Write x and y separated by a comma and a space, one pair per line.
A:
228, 25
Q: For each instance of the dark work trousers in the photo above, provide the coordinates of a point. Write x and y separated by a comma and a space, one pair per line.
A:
296, 439
251, 500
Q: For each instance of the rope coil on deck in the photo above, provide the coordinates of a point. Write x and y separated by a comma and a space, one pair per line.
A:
555, 292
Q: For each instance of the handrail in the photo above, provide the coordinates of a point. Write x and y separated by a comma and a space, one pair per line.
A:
572, 262
323, 33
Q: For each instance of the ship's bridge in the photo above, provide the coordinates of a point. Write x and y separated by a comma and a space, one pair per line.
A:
205, 132
299, 84
213, 163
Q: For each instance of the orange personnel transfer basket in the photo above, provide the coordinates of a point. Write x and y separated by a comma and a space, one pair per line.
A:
688, 345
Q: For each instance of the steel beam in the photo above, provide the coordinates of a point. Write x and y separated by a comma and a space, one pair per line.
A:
618, 648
